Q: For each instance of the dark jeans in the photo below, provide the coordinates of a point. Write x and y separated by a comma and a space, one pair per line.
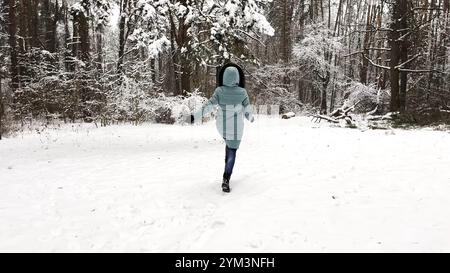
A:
230, 157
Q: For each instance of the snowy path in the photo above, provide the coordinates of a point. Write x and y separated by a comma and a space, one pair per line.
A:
157, 188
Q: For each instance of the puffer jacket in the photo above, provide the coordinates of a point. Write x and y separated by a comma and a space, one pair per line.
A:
234, 105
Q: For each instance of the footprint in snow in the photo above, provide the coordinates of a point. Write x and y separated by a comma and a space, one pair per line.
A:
217, 224
253, 244
148, 222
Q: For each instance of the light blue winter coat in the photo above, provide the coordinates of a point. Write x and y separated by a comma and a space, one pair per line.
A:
234, 104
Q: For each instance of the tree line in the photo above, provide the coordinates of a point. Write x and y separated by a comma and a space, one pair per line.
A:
102, 60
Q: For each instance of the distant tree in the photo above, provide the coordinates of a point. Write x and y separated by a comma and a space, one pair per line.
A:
313, 51
214, 32
12, 32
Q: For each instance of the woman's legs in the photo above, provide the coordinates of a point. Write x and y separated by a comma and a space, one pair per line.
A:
230, 158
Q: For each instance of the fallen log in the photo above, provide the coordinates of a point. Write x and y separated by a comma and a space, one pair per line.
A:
318, 118
336, 115
388, 116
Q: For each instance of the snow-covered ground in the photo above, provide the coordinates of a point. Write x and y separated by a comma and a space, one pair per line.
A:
297, 187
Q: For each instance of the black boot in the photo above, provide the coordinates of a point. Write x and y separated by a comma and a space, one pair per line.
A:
226, 185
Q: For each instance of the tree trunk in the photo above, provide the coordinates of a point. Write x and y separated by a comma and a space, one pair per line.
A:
398, 23
12, 31
395, 92
338, 16
22, 20
185, 63
47, 15
53, 40
122, 40
99, 60
173, 82
403, 75
75, 39
286, 46
333, 97
365, 61
185, 76
153, 69
33, 25
301, 21
323, 97
84, 36
67, 48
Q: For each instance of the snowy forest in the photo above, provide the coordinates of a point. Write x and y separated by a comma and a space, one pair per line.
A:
146, 60
346, 109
